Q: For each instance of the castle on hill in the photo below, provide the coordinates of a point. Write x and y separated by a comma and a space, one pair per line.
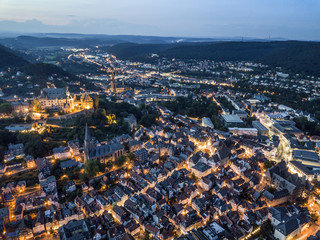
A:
62, 99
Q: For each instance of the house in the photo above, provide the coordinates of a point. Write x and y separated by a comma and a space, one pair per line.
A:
206, 183
190, 221
287, 230
132, 227
70, 187
30, 161
20, 107
288, 221
224, 154
132, 121
74, 146
43, 166
61, 153
14, 150
49, 186
262, 130
134, 145
39, 224
4, 215
75, 229
201, 169
141, 155
21, 186
68, 165
116, 232
154, 231
99, 234
120, 214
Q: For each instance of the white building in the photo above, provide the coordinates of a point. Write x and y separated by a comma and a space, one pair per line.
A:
206, 122
244, 131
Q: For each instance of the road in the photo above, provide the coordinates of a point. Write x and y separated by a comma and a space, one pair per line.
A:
308, 231
283, 150
22, 170
314, 208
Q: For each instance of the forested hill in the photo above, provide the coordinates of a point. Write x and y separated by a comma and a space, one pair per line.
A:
39, 72
8, 58
132, 50
295, 56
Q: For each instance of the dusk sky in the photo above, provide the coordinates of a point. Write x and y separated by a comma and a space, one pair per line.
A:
290, 19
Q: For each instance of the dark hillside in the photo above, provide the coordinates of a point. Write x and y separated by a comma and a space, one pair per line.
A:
294, 56
9, 59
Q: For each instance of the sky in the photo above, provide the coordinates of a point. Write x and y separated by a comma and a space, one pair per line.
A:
289, 19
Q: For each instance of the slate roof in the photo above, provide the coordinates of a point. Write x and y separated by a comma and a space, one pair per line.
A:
105, 150
288, 227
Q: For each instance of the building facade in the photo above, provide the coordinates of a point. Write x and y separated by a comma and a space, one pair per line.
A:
62, 99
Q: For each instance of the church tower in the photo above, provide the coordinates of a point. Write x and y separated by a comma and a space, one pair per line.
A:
87, 143
113, 84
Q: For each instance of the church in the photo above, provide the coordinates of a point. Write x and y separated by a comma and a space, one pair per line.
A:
102, 152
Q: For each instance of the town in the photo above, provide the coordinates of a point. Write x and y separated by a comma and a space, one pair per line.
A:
172, 149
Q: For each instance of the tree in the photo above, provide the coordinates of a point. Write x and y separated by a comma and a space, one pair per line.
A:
34, 144
144, 138
120, 160
163, 158
96, 102
167, 129
271, 189
29, 119
267, 164
111, 119
92, 167
84, 177
126, 146
109, 164
193, 177
5, 108
36, 106
314, 217
146, 236
131, 157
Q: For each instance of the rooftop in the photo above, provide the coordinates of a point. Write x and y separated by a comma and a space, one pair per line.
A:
231, 118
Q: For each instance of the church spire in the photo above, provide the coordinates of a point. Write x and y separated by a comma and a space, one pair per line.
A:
87, 136
87, 143
113, 83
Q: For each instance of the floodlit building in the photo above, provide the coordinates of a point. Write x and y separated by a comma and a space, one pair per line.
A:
61, 99
206, 122
262, 130
229, 120
306, 157
244, 131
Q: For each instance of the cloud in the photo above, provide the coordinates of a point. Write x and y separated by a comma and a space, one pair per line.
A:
205, 29
89, 26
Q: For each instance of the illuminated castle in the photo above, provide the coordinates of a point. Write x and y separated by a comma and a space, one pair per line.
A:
61, 99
